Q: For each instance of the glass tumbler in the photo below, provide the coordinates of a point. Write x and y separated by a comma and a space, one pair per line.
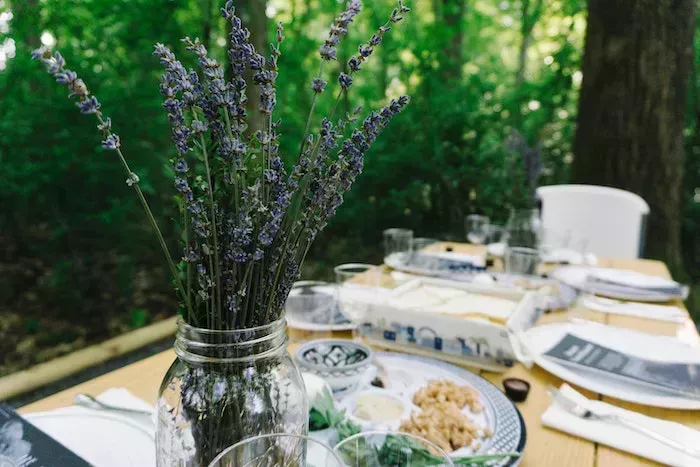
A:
477, 229
277, 450
522, 261
398, 243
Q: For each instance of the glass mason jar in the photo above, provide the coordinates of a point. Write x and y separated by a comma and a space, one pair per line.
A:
226, 386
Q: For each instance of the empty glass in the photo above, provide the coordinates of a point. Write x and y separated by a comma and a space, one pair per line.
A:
380, 449
398, 242
311, 310
357, 288
496, 234
277, 450
524, 228
520, 260
425, 244
477, 228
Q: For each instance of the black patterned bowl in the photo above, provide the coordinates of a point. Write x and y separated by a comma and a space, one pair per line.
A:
341, 363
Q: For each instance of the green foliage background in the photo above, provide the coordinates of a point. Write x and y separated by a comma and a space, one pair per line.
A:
76, 256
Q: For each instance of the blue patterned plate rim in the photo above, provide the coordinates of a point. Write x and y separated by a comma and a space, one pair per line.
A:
472, 377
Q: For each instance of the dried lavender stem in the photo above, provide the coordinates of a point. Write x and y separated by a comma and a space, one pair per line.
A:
311, 111
234, 172
215, 233
154, 225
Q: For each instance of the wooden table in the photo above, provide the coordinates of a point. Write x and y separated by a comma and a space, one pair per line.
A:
545, 447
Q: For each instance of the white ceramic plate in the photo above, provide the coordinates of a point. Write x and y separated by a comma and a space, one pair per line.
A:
575, 276
317, 327
407, 373
542, 338
102, 439
437, 264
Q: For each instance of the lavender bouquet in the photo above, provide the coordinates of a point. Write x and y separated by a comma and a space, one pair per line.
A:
248, 224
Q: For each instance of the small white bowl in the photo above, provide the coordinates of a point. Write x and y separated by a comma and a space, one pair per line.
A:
350, 405
342, 363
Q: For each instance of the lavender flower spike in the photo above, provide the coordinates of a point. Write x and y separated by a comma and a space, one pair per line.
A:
338, 29
112, 142
55, 65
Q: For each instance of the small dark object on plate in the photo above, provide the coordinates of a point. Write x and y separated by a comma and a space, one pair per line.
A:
449, 248
516, 389
377, 382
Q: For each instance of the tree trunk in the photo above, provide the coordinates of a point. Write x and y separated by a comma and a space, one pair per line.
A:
529, 17
207, 18
452, 12
252, 13
629, 133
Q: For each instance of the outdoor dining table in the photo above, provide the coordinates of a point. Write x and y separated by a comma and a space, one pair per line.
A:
545, 447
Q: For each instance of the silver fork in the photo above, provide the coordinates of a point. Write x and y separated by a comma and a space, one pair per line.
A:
580, 411
90, 402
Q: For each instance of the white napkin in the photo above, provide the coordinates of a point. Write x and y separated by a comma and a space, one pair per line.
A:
634, 279
621, 437
668, 313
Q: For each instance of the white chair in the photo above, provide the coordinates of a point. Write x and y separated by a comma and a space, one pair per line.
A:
611, 222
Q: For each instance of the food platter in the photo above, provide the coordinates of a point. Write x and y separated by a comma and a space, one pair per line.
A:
403, 375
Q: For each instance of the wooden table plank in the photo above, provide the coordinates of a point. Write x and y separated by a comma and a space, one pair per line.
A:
545, 447
142, 378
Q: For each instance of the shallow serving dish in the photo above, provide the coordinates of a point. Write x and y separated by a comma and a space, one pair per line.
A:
403, 323
340, 362
350, 403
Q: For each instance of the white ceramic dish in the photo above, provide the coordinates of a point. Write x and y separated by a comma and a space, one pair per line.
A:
473, 341
350, 405
541, 338
437, 264
341, 363
102, 439
317, 327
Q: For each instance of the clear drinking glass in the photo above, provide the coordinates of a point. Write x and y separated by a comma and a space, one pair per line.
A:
524, 228
277, 450
311, 310
380, 449
398, 242
496, 234
425, 244
477, 228
520, 260
358, 288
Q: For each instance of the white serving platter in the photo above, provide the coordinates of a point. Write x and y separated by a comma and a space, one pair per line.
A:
405, 374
